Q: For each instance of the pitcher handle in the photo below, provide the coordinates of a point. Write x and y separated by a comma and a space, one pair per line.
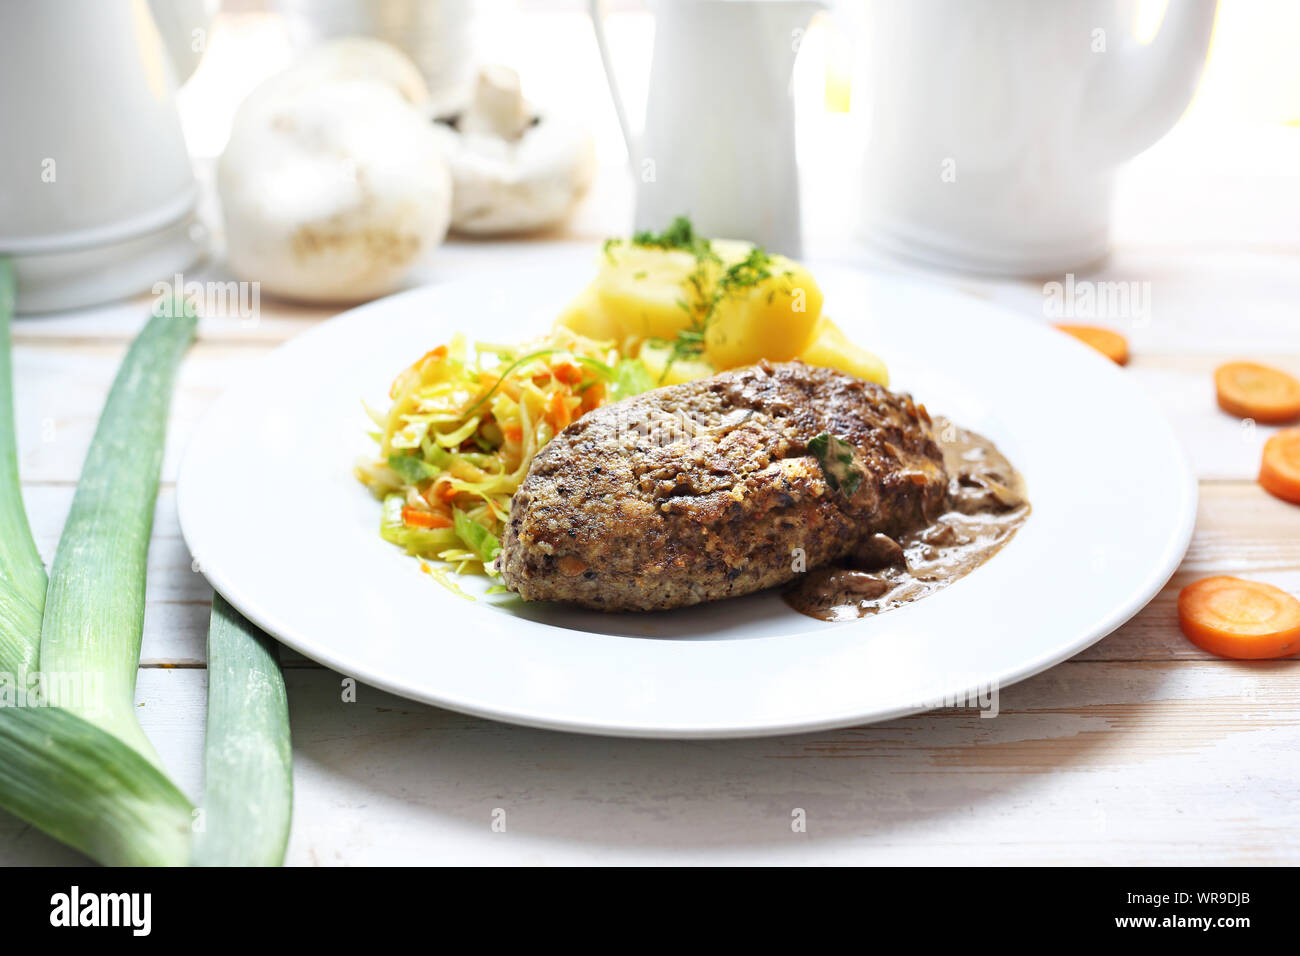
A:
607, 61
1137, 101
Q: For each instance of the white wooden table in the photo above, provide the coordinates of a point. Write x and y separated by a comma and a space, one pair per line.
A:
1142, 749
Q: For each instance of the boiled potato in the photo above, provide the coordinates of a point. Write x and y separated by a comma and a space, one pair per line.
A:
772, 319
731, 251
585, 316
655, 354
640, 291
831, 349
643, 296
643, 289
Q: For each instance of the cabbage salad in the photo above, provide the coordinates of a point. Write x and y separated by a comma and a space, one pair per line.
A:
463, 427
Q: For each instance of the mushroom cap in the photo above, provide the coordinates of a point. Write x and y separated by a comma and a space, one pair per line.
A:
331, 192
512, 169
347, 58
503, 186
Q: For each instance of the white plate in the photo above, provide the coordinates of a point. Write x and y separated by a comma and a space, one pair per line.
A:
270, 509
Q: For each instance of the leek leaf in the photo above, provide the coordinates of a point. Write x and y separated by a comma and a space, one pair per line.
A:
248, 760
22, 575
88, 789
94, 610
66, 777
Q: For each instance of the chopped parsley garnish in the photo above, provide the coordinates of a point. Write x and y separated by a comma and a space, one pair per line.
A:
835, 455
680, 235
750, 271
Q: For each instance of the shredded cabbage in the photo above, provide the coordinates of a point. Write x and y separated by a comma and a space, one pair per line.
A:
463, 429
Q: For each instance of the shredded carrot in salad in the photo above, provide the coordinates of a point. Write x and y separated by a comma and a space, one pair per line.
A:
463, 429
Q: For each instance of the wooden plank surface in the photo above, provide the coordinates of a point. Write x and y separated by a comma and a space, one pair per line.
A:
1095, 763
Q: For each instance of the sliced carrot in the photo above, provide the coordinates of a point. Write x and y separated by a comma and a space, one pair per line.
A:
1244, 620
501, 384
424, 519
1106, 341
1250, 390
1279, 472
441, 490
513, 431
433, 355
557, 411
593, 397
568, 373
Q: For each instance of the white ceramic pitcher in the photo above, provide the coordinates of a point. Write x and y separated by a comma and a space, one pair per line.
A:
996, 125
718, 143
97, 195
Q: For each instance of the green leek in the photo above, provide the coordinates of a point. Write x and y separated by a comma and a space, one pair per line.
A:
59, 773
94, 610
89, 790
22, 575
248, 795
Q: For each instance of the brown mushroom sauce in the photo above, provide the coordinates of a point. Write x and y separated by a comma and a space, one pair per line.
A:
987, 505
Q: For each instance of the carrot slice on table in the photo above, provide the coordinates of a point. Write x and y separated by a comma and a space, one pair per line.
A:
1250, 390
424, 519
1106, 341
1279, 472
1245, 620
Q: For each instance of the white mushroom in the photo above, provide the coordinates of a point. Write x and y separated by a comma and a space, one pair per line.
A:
513, 170
348, 58
333, 185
